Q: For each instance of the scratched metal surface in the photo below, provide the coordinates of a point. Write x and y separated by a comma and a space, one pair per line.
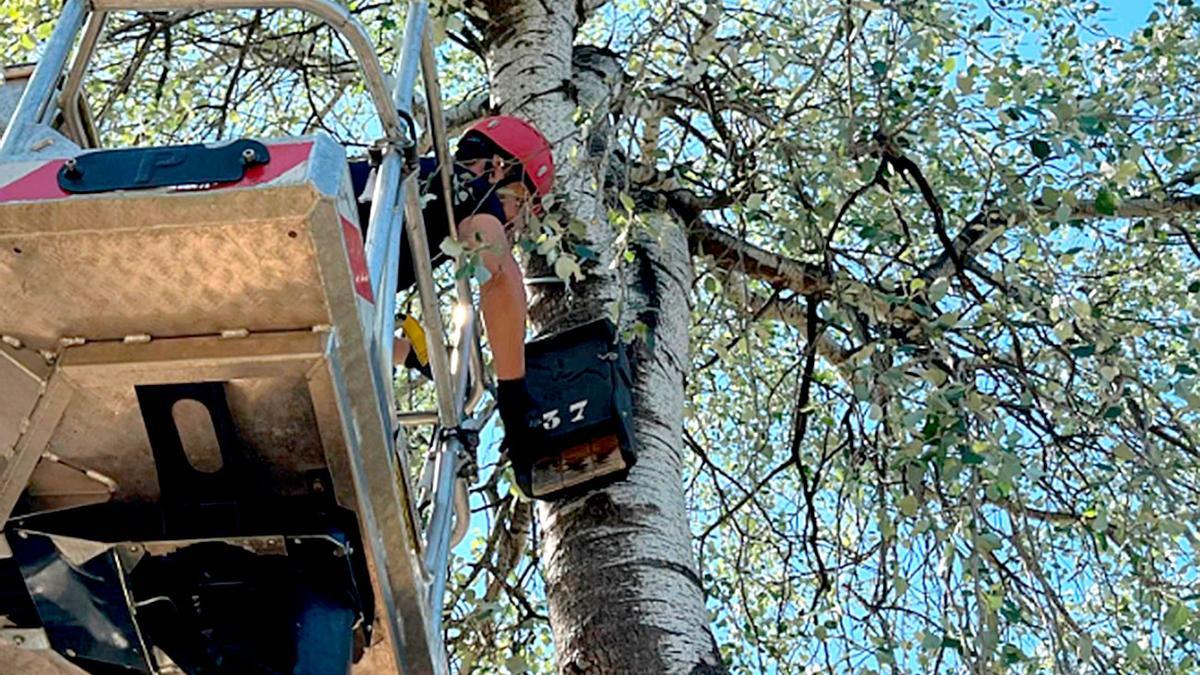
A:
12, 84
266, 259
140, 264
103, 430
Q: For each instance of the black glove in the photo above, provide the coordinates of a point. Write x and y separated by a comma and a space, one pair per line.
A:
519, 412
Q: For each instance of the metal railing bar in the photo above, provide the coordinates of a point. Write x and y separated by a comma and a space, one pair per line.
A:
39, 91
68, 100
383, 235
335, 15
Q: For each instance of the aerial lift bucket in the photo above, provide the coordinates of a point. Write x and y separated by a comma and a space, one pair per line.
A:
199, 468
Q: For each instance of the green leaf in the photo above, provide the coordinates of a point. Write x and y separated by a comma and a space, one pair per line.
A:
972, 458
465, 271
1064, 330
566, 267
909, 505
1112, 412
938, 290
516, 665
1092, 125
451, 247
1040, 148
585, 253
989, 541
1084, 350
482, 273
1013, 654
1011, 612
1177, 618
1106, 202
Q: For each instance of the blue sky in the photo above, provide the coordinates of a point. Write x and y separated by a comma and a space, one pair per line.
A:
1125, 15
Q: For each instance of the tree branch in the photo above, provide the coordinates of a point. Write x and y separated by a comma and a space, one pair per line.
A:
741, 256
465, 112
983, 224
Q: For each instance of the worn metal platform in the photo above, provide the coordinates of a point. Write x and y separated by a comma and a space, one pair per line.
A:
196, 406
260, 285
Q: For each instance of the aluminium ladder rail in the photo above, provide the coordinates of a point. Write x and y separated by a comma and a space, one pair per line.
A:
30, 126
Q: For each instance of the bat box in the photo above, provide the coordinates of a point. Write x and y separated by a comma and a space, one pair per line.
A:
581, 378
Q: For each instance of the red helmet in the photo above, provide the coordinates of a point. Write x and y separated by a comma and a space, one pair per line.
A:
526, 144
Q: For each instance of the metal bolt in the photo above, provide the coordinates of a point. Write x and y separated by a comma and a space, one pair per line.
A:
18, 640
69, 652
72, 167
248, 155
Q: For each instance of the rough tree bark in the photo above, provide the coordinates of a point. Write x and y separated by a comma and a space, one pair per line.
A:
621, 578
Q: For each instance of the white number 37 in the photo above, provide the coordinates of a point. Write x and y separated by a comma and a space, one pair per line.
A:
551, 420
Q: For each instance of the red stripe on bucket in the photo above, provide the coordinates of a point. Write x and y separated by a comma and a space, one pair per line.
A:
42, 183
358, 260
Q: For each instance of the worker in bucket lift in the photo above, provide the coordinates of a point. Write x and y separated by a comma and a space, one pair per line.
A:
503, 167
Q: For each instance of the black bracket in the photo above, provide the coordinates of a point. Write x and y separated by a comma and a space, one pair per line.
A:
143, 168
412, 161
407, 147
191, 498
468, 437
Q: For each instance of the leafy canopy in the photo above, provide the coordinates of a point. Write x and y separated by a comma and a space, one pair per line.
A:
972, 444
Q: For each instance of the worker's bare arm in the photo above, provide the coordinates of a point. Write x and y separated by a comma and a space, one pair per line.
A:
502, 296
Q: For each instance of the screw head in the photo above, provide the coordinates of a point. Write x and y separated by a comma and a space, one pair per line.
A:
248, 155
18, 640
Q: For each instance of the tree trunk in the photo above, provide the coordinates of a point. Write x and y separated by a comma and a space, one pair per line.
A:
621, 578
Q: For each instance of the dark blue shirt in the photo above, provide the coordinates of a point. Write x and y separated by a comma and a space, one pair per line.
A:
472, 195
